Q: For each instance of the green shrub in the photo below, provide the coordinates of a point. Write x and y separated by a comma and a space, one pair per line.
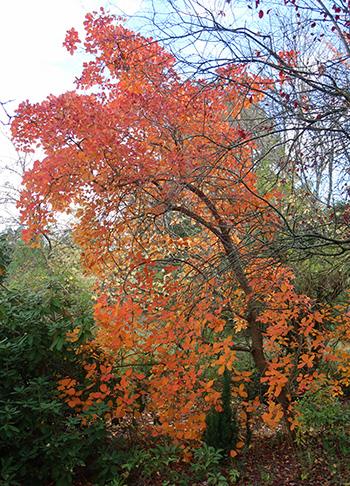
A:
321, 414
222, 430
161, 462
42, 441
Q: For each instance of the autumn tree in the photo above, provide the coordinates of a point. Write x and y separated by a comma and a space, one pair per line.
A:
159, 173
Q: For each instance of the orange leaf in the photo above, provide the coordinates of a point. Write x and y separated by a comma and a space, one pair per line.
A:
284, 288
243, 415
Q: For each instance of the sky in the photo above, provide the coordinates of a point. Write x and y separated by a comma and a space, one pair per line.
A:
33, 62
31, 37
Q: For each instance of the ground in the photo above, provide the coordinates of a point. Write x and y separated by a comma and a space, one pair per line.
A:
278, 464
319, 458
273, 462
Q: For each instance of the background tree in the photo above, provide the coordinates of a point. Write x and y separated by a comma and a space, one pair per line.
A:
303, 50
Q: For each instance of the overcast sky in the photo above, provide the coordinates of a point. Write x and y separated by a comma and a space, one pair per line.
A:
33, 62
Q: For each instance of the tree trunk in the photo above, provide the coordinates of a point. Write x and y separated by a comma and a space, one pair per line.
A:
257, 349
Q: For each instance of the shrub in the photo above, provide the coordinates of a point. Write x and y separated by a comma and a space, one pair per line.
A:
41, 440
222, 429
321, 414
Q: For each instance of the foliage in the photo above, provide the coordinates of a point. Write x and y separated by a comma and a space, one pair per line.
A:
323, 415
5, 255
157, 459
206, 465
221, 425
166, 462
55, 264
40, 439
